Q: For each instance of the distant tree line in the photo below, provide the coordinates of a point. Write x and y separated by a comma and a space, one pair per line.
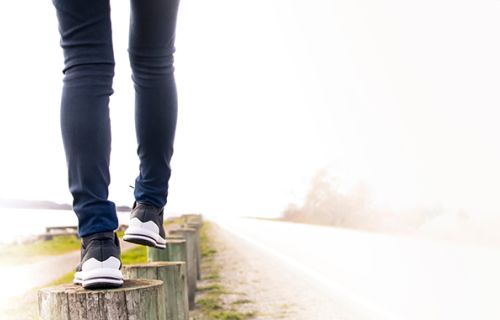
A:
327, 203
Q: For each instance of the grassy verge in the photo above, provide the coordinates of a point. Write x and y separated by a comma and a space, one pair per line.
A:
210, 299
24, 253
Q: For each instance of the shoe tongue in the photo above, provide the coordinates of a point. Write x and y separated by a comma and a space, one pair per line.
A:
99, 236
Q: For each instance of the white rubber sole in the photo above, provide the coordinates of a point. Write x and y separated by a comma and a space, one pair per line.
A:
144, 236
99, 278
100, 274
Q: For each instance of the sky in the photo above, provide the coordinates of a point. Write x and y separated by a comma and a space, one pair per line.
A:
400, 95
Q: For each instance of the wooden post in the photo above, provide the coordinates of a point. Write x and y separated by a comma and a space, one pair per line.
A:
178, 250
197, 226
136, 299
192, 217
173, 275
189, 235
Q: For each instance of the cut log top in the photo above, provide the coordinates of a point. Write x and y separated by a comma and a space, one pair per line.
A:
176, 240
154, 264
128, 285
192, 216
193, 224
172, 237
182, 229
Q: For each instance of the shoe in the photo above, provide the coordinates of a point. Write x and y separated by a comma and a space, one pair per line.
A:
100, 263
146, 226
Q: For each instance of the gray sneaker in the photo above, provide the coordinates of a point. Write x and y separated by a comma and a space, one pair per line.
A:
100, 262
146, 226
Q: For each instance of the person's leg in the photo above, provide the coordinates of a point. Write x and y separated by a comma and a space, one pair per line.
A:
151, 52
85, 29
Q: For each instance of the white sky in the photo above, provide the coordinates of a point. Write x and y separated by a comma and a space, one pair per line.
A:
402, 95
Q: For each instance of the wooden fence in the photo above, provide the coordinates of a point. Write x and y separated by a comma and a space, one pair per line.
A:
162, 288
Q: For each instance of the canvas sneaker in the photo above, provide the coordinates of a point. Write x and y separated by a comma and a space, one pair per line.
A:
146, 226
100, 262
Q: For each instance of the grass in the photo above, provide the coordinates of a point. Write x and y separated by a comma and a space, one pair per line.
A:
57, 245
241, 301
212, 288
66, 278
210, 296
27, 252
135, 255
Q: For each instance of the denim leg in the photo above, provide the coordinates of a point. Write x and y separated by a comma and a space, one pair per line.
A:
151, 53
85, 29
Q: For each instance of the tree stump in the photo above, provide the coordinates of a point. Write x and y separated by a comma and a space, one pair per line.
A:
136, 299
189, 235
173, 275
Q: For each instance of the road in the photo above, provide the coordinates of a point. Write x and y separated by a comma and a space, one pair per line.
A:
368, 275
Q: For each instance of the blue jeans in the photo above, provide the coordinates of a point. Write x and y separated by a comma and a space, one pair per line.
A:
86, 42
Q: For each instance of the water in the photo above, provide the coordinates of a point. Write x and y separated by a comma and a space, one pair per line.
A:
21, 224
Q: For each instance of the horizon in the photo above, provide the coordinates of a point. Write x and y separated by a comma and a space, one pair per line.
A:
365, 89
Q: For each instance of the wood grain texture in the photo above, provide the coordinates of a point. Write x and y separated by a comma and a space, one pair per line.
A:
173, 275
196, 226
176, 250
136, 299
189, 235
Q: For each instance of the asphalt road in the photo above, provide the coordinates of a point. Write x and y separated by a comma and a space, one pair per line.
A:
375, 276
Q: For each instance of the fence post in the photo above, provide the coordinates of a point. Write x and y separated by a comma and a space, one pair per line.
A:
178, 250
196, 226
192, 217
175, 247
189, 235
173, 275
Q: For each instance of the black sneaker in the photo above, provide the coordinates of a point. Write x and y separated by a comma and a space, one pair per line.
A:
100, 262
146, 226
